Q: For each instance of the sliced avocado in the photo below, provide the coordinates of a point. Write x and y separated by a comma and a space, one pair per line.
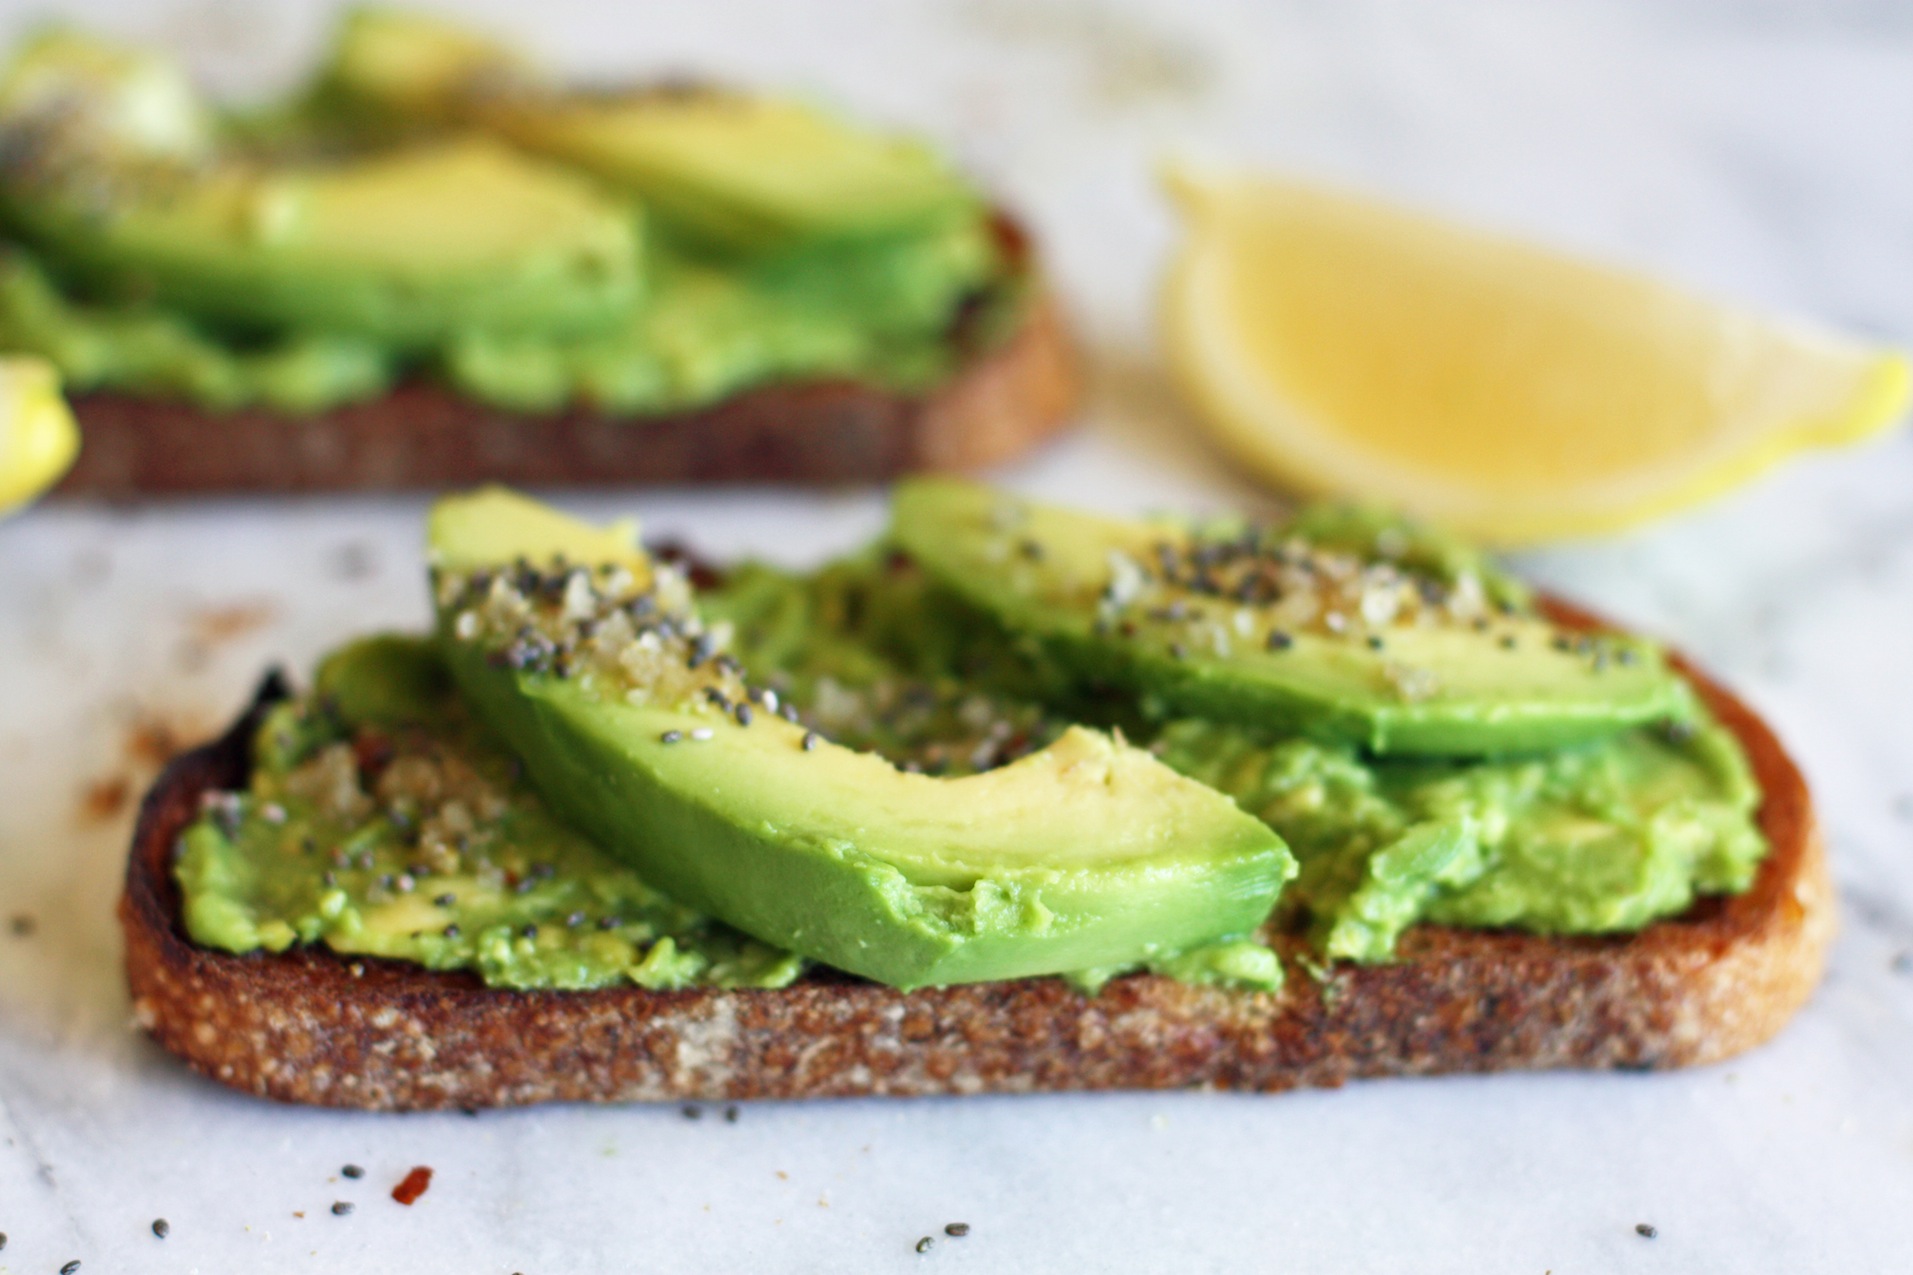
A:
745, 173
1267, 628
592, 665
733, 171
120, 183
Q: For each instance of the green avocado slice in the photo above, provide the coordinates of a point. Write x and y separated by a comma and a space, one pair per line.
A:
732, 171
1271, 629
115, 172
590, 663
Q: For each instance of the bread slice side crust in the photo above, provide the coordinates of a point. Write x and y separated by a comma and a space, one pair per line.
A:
308, 1026
1005, 398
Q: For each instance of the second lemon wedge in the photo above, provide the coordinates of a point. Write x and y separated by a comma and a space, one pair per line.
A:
38, 438
1339, 345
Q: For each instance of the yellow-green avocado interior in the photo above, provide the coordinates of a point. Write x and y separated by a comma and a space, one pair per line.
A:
431, 204
593, 773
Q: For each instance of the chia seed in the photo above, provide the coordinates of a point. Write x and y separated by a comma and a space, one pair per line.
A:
341, 1207
162, 1228
530, 931
958, 1229
924, 1244
452, 931
1646, 1230
671, 737
743, 714
810, 740
353, 1171
1279, 641
445, 900
70, 1267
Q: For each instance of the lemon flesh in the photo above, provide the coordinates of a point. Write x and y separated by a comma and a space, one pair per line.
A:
1338, 345
38, 437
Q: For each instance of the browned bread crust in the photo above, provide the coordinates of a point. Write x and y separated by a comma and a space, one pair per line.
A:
1005, 398
311, 1027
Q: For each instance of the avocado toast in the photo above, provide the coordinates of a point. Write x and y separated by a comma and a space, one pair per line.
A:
548, 855
434, 265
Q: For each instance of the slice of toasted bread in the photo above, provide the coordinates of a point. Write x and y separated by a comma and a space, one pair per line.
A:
309, 1026
1005, 397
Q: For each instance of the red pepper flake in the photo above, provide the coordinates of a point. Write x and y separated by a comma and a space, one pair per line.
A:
413, 1186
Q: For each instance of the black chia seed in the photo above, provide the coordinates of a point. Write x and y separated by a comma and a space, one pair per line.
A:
958, 1229
924, 1244
690, 1112
70, 1267
743, 714
353, 1171
810, 740
1646, 1230
341, 1207
161, 1227
1279, 641
670, 737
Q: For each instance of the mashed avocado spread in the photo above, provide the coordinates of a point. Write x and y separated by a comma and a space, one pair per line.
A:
530, 246
383, 820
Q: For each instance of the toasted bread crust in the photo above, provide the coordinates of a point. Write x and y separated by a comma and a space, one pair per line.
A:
310, 1027
1004, 399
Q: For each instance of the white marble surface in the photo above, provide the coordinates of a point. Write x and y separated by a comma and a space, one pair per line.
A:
1758, 149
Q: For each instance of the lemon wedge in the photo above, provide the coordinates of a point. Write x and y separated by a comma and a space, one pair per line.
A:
1337, 345
38, 438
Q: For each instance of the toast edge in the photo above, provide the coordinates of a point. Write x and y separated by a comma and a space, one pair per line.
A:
305, 1027
1004, 400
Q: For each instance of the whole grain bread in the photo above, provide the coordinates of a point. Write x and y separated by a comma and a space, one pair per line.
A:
312, 1027
1006, 396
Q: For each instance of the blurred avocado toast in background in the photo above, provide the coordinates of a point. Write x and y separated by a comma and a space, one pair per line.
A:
432, 265
1274, 804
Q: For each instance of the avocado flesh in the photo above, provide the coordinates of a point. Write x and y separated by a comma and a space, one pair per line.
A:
1085, 855
380, 820
406, 248
736, 172
1091, 594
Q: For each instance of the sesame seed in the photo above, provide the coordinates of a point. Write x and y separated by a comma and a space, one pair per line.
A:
702, 733
769, 701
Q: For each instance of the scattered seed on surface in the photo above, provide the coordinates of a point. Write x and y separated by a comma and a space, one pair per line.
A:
923, 1245
670, 737
445, 900
353, 1171
70, 1267
452, 931
702, 733
810, 740
161, 1227
412, 1185
730, 1115
690, 1112
958, 1229
1646, 1230
1374, 642
1279, 641
743, 714
341, 1207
